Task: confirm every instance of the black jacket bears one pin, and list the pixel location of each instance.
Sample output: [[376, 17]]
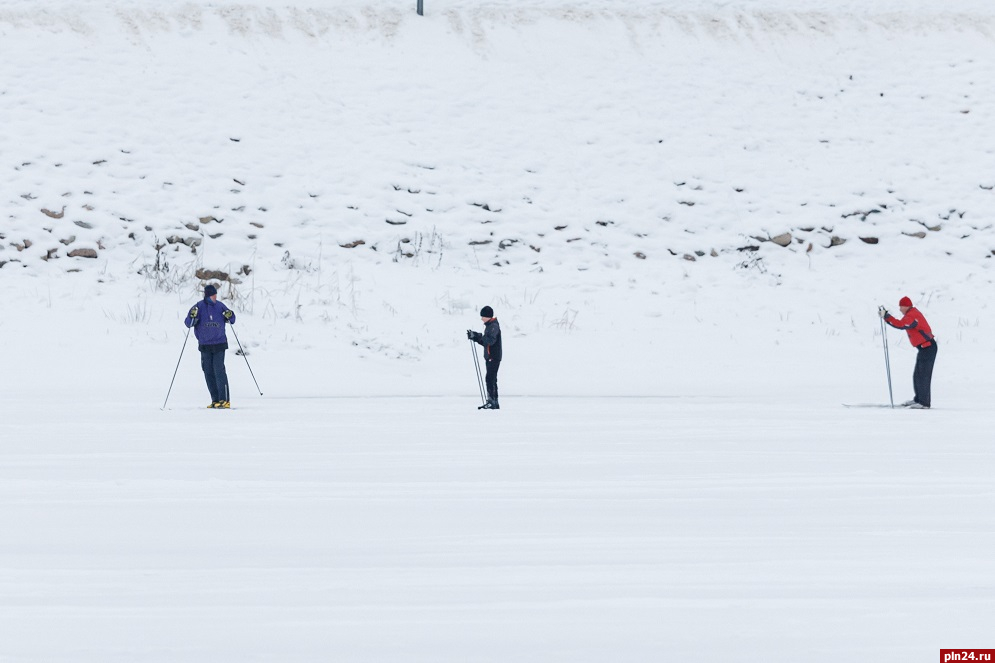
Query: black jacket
[[491, 340]]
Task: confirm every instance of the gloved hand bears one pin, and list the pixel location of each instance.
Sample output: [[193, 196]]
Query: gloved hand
[[193, 313], [469, 334], [882, 312], [227, 314]]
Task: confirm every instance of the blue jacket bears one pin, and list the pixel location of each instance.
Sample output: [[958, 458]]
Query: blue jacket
[[209, 326]]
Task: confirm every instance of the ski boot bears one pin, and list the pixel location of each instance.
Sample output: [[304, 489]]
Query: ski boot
[[491, 404]]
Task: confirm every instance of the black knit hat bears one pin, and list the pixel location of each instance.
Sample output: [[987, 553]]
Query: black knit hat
[[487, 312], [210, 290]]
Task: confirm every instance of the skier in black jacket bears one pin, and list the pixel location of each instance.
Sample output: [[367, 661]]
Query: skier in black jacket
[[491, 340]]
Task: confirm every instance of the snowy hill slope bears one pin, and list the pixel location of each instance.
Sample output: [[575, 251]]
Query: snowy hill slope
[[535, 137], [584, 166]]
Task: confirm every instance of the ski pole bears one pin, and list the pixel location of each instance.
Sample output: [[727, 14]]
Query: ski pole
[[887, 362], [246, 360], [185, 338], [480, 377]]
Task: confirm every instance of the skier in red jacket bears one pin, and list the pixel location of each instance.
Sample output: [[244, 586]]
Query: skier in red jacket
[[921, 336]]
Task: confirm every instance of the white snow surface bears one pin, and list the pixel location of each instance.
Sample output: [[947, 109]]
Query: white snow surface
[[672, 475]]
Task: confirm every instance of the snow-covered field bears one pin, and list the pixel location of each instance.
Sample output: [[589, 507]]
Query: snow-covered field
[[672, 474], [415, 529]]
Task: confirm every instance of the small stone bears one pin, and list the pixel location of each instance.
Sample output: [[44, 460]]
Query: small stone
[[83, 253], [869, 240], [211, 275], [784, 239], [640, 255], [352, 245]]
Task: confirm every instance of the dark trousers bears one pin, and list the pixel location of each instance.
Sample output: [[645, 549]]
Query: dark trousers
[[213, 362], [922, 376], [491, 379]]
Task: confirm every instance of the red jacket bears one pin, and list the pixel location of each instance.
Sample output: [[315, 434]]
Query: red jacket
[[915, 325]]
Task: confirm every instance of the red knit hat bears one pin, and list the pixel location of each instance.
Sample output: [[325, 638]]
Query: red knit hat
[[905, 301]]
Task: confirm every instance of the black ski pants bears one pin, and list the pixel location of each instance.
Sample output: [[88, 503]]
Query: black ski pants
[[212, 360], [922, 376], [491, 378]]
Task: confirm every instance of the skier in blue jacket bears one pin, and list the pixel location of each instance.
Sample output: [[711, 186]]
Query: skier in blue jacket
[[208, 318]]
